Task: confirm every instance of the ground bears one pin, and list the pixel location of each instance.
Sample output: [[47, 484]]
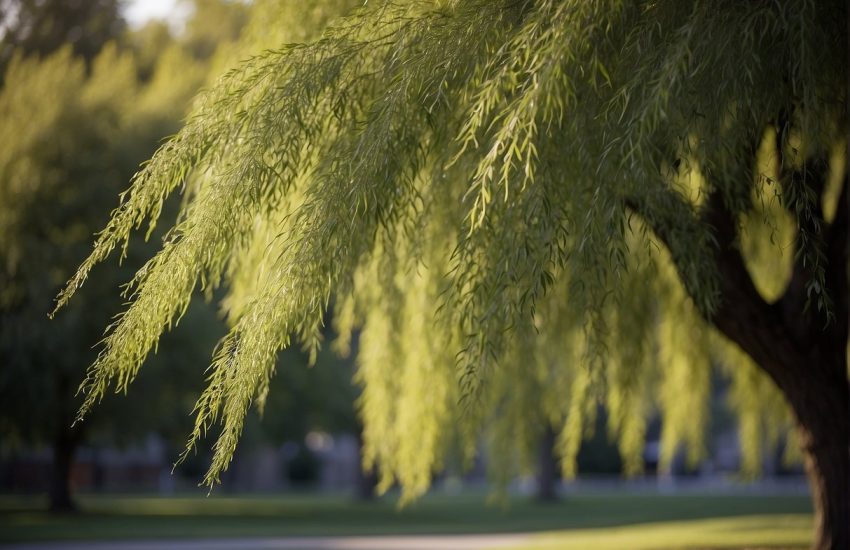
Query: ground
[[585, 521]]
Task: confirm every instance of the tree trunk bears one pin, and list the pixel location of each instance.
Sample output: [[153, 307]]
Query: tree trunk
[[366, 484], [816, 387], [804, 353], [64, 449], [806, 356], [821, 405], [547, 467], [367, 481], [828, 470]]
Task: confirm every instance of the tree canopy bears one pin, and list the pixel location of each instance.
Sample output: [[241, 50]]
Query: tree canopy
[[74, 130], [523, 206], [43, 26]]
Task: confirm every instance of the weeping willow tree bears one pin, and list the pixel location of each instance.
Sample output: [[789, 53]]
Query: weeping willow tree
[[526, 208]]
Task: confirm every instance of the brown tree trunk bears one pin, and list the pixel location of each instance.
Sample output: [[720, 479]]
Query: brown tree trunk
[[366, 484], [367, 481], [803, 352], [816, 387], [547, 467], [64, 449], [821, 405], [806, 356], [828, 470]]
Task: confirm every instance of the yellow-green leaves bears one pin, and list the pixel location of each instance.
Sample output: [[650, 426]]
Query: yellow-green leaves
[[465, 179]]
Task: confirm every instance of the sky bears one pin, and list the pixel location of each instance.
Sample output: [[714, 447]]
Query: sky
[[138, 12]]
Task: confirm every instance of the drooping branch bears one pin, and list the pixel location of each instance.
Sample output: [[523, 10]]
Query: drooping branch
[[814, 306], [805, 305], [838, 254], [742, 314], [738, 311]]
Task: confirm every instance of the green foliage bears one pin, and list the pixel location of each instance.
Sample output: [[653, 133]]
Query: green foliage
[[72, 133], [213, 23], [44, 26], [148, 43], [62, 134], [276, 22], [482, 188]]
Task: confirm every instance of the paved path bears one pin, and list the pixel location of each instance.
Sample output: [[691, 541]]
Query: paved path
[[407, 542]]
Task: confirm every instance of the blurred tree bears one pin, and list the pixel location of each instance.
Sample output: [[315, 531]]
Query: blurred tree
[[70, 137], [213, 23], [274, 23], [305, 399], [149, 43], [553, 203], [61, 135], [43, 26]]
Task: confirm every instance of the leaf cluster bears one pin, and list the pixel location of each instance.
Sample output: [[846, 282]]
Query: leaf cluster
[[483, 187]]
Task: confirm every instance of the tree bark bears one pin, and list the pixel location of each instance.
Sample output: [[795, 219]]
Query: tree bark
[[547, 467], [367, 481], [803, 352], [65, 446], [821, 404], [827, 462], [805, 355], [366, 484], [810, 368]]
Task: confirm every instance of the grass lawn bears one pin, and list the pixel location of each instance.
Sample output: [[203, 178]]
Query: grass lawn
[[765, 531], [587, 522]]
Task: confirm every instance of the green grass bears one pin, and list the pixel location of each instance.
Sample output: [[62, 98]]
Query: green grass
[[579, 521], [766, 531]]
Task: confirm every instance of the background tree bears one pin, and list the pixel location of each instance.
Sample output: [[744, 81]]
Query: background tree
[[478, 182], [71, 136], [56, 127], [43, 26], [213, 23], [149, 43], [303, 399]]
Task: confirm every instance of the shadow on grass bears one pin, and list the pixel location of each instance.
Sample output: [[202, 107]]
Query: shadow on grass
[[112, 517]]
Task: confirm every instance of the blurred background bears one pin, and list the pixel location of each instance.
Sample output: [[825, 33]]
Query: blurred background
[[88, 90]]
